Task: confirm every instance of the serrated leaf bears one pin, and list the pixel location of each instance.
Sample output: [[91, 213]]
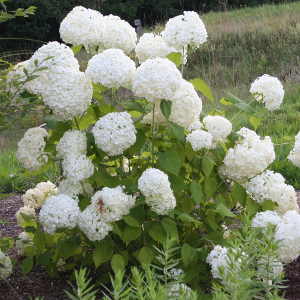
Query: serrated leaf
[[145, 256], [27, 265], [176, 58], [222, 210], [118, 263], [131, 221], [207, 165], [201, 86], [239, 194], [197, 192], [130, 234], [170, 161], [177, 131], [157, 233], [165, 107], [255, 122], [102, 253], [170, 227], [188, 254], [88, 119]]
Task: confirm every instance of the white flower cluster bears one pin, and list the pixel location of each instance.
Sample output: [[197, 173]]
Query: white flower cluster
[[91, 224], [114, 133], [219, 127], [24, 240], [250, 156], [288, 236], [184, 30], [82, 26], [200, 139], [265, 218], [217, 259], [72, 142], [25, 212], [31, 148], [5, 266], [272, 186], [152, 45], [70, 188], [34, 198], [112, 203], [155, 186], [112, 68], [268, 90], [59, 211], [294, 155], [156, 78]]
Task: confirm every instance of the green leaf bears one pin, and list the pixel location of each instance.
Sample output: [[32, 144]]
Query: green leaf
[[76, 49], [177, 131], [226, 101], [207, 165], [202, 87], [145, 256], [88, 119], [102, 253], [224, 211], [188, 254], [165, 107], [186, 218], [27, 265], [131, 221], [157, 233], [176, 58], [210, 186], [239, 194], [255, 122], [130, 234], [170, 227], [170, 161], [197, 192], [118, 263]]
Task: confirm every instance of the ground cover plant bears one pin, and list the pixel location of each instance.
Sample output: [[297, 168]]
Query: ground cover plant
[[135, 173]]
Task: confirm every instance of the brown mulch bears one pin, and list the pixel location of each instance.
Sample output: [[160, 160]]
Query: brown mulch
[[38, 283]]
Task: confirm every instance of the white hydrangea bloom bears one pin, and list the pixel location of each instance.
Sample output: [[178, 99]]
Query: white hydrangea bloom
[[118, 34], [91, 224], [68, 94], [268, 90], [5, 266], [24, 240], [250, 156], [263, 219], [219, 127], [155, 186], [114, 133], [35, 197], [77, 167], [72, 142], [294, 155], [112, 203], [184, 30], [288, 236], [31, 148], [26, 211], [59, 211], [200, 139], [112, 68], [83, 26], [272, 186], [157, 78], [218, 258], [70, 188], [152, 45]]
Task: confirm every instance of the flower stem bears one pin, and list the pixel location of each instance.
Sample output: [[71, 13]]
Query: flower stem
[[152, 134]]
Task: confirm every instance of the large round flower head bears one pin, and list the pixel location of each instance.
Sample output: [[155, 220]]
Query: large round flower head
[[82, 26], [265, 218], [219, 127], [268, 90], [77, 167], [5, 266], [24, 240], [35, 197], [151, 45], [250, 156], [68, 94], [288, 236], [114, 133], [59, 211], [112, 203], [91, 224], [294, 155], [72, 142], [23, 214], [272, 186], [155, 186], [31, 148], [157, 78], [112, 68], [184, 30], [218, 258], [118, 34], [70, 188], [200, 139]]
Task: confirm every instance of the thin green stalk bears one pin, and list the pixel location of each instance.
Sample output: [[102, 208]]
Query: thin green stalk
[[152, 135], [76, 123]]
